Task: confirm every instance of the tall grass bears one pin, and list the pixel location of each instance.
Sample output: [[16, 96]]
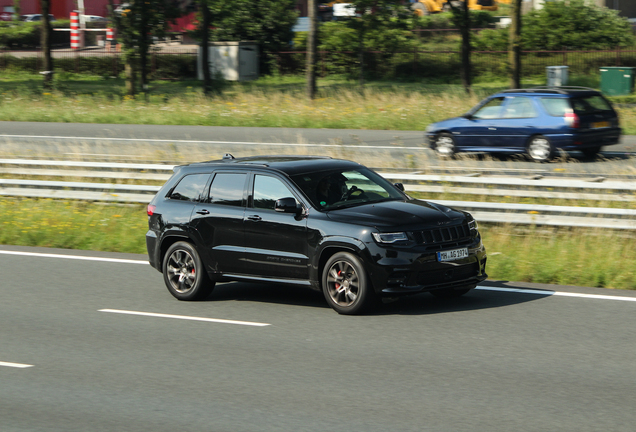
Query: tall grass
[[586, 257], [270, 102]]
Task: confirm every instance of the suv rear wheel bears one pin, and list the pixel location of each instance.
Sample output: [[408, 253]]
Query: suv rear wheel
[[184, 274], [345, 284]]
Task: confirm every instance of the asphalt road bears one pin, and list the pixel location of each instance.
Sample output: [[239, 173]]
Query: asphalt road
[[74, 358], [182, 144]]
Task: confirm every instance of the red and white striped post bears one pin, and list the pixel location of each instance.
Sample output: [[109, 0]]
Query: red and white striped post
[[75, 34], [110, 38]]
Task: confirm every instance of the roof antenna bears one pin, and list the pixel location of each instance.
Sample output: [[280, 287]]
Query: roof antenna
[[228, 156]]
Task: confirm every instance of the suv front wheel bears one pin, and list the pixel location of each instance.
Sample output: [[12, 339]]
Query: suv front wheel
[[346, 286], [184, 274], [540, 149]]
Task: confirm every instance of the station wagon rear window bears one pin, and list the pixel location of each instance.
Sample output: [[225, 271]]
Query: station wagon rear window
[[556, 106]]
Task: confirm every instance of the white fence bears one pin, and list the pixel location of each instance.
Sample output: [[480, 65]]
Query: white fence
[[538, 187]]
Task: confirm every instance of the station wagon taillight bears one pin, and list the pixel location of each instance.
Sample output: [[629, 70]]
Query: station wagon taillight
[[572, 120], [151, 209]]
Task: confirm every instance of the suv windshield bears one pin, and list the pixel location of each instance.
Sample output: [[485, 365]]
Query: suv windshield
[[329, 190]]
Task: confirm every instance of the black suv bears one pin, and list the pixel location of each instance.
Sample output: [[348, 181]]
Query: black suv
[[332, 225]]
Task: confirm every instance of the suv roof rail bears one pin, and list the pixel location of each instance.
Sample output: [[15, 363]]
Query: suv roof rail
[[549, 89]]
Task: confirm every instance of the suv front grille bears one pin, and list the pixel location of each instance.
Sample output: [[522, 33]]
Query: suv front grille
[[435, 236]]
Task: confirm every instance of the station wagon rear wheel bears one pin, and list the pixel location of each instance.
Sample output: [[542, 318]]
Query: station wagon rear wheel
[[184, 274], [345, 284], [445, 145], [540, 149]]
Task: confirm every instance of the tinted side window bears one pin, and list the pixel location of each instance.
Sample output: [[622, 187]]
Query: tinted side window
[[190, 187], [267, 190], [556, 106], [227, 189], [519, 107], [590, 104]]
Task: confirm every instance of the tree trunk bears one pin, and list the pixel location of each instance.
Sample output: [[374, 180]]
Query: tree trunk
[[311, 49], [205, 50], [466, 49], [45, 41], [461, 16], [129, 70], [514, 47], [361, 57]]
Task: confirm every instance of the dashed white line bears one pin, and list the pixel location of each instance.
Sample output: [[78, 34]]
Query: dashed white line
[[557, 293], [16, 365], [74, 257], [185, 317]]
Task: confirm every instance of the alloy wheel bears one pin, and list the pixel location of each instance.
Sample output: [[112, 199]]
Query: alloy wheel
[[343, 283], [181, 271]]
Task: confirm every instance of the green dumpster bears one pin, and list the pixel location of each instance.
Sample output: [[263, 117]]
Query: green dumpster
[[617, 81]]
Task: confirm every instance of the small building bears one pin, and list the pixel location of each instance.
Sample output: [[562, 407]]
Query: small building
[[234, 61]]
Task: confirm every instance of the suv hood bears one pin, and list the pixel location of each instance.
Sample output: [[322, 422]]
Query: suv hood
[[397, 214]]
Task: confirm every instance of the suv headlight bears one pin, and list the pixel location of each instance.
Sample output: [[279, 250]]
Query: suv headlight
[[390, 237], [473, 225]]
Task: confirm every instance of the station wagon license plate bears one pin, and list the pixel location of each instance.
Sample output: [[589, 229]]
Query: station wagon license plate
[[452, 255], [598, 125]]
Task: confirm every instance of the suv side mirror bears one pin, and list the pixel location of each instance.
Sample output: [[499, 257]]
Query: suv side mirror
[[287, 205], [400, 186]]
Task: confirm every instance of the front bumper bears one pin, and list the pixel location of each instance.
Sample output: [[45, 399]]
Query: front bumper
[[401, 272]]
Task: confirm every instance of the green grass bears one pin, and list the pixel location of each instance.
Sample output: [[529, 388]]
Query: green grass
[[267, 102], [585, 257]]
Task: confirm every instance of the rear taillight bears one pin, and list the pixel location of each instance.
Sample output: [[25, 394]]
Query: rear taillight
[[572, 120], [151, 209]]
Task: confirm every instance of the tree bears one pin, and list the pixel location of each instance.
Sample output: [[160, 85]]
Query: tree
[[46, 45], [17, 10], [205, 50], [514, 45], [461, 18], [137, 24], [311, 49], [267, 22], [374, 15]]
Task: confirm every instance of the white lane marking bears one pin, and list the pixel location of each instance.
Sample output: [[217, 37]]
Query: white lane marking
[[74, 257], [15, 365], [184, 317], [557, 293], [177, 141]]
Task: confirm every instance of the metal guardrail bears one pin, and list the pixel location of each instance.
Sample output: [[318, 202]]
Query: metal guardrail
[[483, 211]]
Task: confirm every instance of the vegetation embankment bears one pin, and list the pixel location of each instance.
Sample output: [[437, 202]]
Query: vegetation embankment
[[267, 102], [584, 257]]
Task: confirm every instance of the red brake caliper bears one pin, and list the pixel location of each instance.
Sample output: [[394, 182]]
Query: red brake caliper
[[337, 284]]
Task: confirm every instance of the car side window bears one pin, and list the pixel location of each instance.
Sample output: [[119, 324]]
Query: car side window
[[227, 189], [190, 187], [556, 107], [490, 110], [267, 190], [519, 107]]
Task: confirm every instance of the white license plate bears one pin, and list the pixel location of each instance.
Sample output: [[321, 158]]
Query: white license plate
[[452, 255]]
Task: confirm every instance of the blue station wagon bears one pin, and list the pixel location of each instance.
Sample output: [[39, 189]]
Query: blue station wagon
[[535, 121]]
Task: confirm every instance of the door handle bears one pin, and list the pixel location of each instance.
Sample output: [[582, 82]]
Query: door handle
[[492, 128], [203, 212], [254, 218]]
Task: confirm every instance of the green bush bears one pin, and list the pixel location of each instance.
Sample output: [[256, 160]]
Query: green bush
[[26, 35], [575, 25]]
